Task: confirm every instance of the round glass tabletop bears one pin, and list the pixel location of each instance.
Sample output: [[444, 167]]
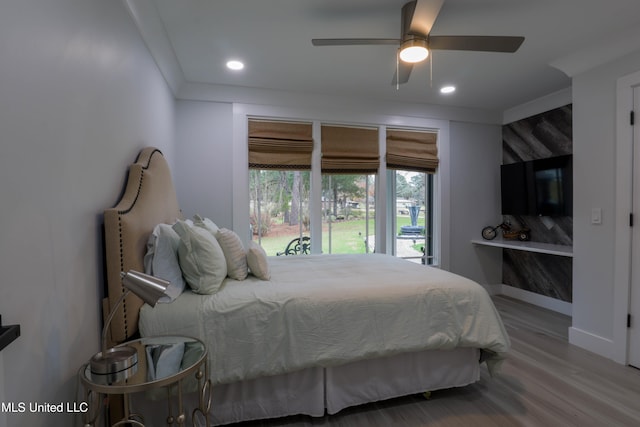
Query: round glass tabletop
[[161, 360]]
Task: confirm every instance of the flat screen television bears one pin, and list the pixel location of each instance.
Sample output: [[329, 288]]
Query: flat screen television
[[542, 187]]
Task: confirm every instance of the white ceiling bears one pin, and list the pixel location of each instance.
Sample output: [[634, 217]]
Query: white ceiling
[[273, 39]]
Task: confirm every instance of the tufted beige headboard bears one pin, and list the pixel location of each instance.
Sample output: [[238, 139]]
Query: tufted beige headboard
[[149, 199]]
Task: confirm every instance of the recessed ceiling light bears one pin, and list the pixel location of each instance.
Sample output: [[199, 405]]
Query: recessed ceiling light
[[235, 65], [447, 89]]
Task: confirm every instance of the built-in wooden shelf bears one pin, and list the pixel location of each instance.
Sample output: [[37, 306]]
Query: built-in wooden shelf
[[8, 334], [543, 248]]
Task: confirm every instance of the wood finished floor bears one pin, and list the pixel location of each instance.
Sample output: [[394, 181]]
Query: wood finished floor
[[544, 382]]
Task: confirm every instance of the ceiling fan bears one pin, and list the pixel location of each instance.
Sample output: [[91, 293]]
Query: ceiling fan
[[416, 41]]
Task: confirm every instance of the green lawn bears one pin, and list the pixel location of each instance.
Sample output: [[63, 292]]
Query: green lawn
[[347, 237]]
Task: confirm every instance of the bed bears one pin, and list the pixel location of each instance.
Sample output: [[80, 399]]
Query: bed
[[325, 332]]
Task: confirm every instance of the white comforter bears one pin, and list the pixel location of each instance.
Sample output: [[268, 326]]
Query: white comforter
[[324, 310]]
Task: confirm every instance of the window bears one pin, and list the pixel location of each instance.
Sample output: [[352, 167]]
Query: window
[[279, 207], [279, 182], [412, 157], [348, 213], [341, 209], [350, 160], [412, 216]]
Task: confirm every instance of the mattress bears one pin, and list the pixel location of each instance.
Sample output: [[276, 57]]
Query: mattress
[[328, 310]]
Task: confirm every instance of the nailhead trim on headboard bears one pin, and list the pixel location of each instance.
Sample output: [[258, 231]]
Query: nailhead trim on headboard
[[149, 198], [124, 212], [120, 213]]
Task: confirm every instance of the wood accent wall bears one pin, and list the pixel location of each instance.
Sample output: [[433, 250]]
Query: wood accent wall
[[544, 135]]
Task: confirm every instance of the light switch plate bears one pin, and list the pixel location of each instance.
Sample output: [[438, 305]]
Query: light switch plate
[[596, 216]]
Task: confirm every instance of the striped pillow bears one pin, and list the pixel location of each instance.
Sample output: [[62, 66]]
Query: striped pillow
[[234, 253]]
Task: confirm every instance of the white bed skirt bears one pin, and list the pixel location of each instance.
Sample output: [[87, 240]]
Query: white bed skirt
[[316, 391]]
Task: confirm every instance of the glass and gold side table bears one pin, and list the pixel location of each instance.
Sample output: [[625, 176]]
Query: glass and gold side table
[[172, 362]]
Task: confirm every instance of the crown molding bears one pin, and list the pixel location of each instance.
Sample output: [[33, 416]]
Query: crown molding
[[600, 52], [154, 34]]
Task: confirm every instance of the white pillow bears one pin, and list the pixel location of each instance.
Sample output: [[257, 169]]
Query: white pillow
[[201, 259], [161, 260], [257, 261], [205, 223], [234, 253]]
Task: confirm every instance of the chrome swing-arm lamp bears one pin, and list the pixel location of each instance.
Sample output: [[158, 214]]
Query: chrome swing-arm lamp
[[116, 359]]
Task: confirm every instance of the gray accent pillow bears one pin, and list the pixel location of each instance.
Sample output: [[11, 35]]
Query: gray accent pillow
[[161, 260]]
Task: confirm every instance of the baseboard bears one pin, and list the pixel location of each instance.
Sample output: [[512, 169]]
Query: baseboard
[[583, 339], [493, 289], [593, 343], [537, 299]]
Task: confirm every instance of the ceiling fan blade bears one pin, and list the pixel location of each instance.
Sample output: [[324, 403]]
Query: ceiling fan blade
[[348, 42], [424, 15], [402, 73], [476, 43]]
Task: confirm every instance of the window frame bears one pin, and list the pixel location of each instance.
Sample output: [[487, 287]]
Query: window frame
[[348, 116]]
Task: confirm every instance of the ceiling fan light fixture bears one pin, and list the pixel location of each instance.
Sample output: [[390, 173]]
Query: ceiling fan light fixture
[[414, 50]]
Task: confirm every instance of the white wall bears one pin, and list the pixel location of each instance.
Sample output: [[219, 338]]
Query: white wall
[[79, 96], [594, 127], [204, 170], [469, 172], [476, 155]]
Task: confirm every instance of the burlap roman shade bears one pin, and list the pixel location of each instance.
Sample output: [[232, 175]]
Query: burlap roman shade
[[280, 145], [349, 150], [412, 150]]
